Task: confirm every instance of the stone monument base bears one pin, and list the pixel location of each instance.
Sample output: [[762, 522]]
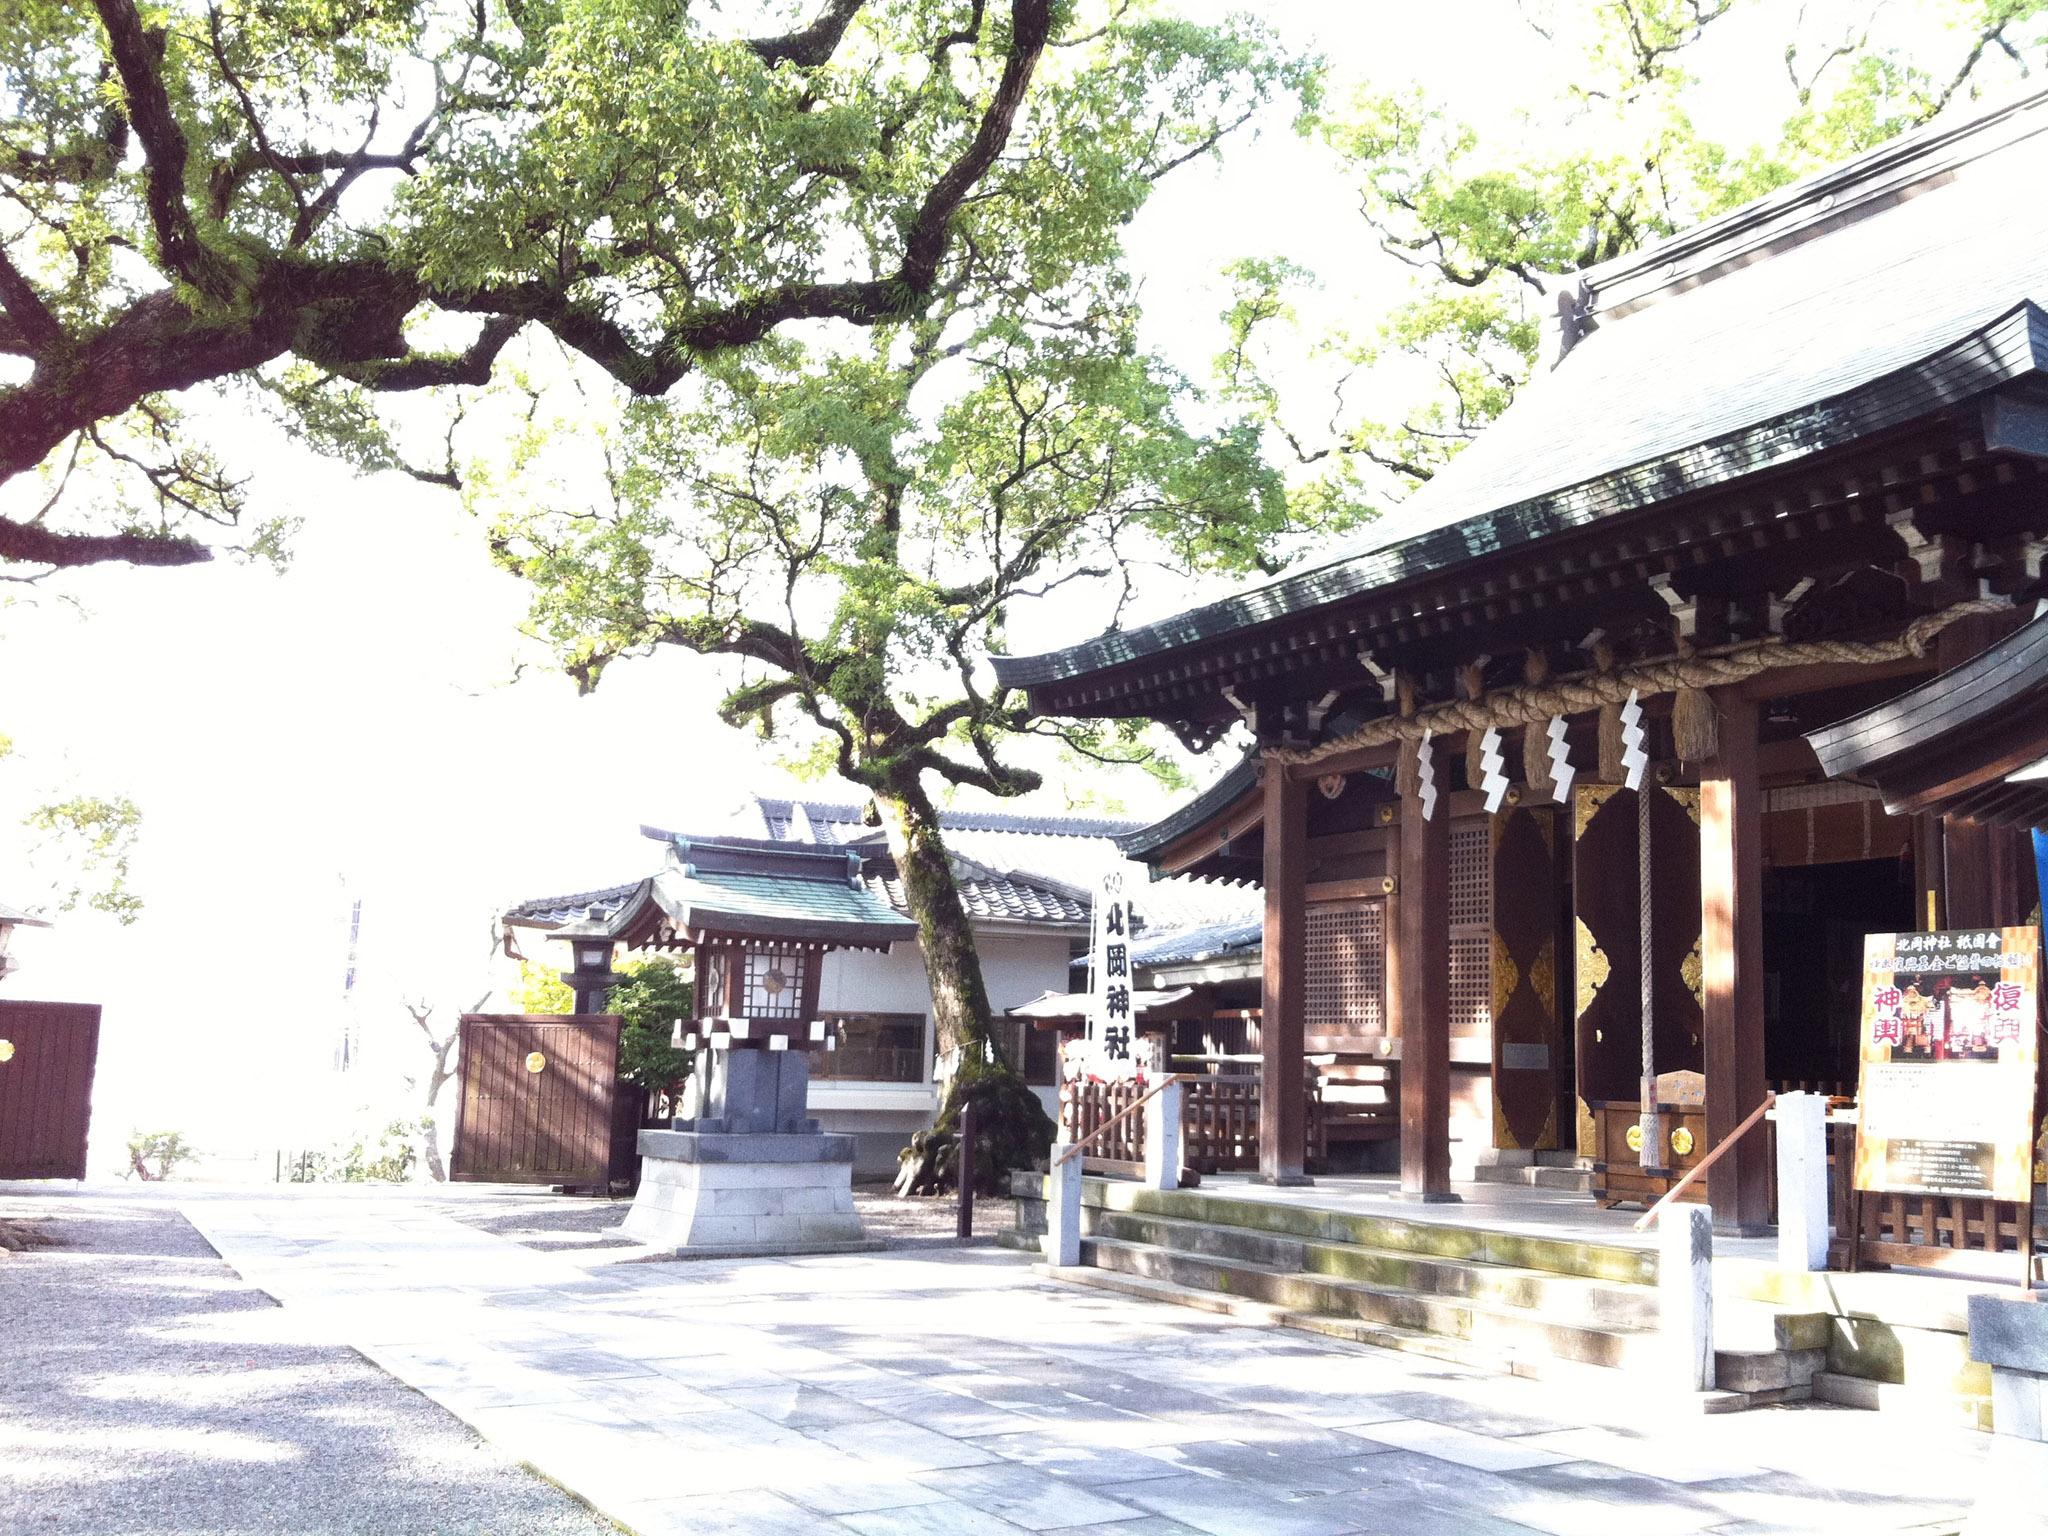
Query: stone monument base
[[747, 1193]]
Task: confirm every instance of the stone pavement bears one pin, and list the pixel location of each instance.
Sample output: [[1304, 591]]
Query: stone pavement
[[146, 1391], [955, 1393]]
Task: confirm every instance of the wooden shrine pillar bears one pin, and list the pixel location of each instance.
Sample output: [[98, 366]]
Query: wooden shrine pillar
[[1732, 967], [1283, 1109], [1423, 939]]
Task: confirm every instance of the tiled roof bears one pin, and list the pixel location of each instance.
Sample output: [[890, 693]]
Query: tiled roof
[[1906, 310], [1225, 792], [1011, 868], [1211, 941], [1016, 866], [553, 911], [715, 899], [837, 822]]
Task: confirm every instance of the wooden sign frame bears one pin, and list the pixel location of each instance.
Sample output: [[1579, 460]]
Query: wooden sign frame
[[1942, 1229]]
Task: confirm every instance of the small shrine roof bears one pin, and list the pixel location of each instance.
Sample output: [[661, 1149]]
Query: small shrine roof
[[1969, 742], [1235, 784]]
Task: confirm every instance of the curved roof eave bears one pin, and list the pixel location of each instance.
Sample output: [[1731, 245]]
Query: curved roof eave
[[2010, 346]]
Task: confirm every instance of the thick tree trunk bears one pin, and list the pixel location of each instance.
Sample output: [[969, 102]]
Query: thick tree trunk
[[1012, 1127]]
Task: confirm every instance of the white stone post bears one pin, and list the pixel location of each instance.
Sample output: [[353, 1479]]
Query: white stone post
[[1162, 1137], [1063, 1210], [1685, 1285], [1802, 1181]]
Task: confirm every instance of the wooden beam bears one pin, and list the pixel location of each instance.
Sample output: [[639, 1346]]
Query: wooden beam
[[1356, 760], [1283, 1123], [1732, 965], [1783, 682], [1424, 968]]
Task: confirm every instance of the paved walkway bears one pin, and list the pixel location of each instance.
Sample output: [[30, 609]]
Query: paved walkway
[[145, 1390], [956, 1394]]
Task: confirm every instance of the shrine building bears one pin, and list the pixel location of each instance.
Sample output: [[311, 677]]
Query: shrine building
[[1774, 471]]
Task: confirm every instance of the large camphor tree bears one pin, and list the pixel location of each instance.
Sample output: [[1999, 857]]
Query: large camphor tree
[[341, 198], [853, 524]]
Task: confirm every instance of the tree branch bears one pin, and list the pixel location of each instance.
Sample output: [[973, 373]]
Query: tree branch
[[137, 52], [37, 328], [814, 45], [32, 544]]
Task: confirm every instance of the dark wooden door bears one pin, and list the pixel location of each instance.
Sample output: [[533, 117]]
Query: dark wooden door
[[516, 1125], [1607, 962], [46, 1087], [1532, 968]]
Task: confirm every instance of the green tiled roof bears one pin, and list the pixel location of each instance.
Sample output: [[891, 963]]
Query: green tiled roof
[[778, 904]]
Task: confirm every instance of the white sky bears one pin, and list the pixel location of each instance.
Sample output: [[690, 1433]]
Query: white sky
[[353, 725]]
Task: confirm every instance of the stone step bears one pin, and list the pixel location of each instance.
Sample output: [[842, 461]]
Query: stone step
[[1768, 1371], [1246, 1309], [1497, 1329], [1581, 1257], [1535, 1176], [1602, 1382], [1972, 1411], [1566, 1298]]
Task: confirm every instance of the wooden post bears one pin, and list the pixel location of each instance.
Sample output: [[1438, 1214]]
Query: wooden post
[[1282, 1119], [1424, 945], [1732, 964]]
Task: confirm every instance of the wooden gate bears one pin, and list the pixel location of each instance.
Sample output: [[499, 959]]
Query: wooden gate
[[50, 1050], [540, 1094]]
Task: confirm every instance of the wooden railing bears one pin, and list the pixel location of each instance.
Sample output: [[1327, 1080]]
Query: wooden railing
[[1219, 1121], [1698, 1170], [1113, 1132]]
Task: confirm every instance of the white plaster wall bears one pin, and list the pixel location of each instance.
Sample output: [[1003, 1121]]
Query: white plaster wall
[[1014, 967]]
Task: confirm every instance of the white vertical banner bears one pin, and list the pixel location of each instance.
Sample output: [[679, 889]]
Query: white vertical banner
[[1112, 1023]]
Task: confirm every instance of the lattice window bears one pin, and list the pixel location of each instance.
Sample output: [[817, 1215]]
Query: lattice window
[[774, 986], [1471, 903], [1347, 971], [1472, 874]]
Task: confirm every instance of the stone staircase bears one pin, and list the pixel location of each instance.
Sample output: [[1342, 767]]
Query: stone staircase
[[1538, 1170], [1536, 1306]]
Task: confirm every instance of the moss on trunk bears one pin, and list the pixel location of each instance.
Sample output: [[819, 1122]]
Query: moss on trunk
[[1012, 1129]]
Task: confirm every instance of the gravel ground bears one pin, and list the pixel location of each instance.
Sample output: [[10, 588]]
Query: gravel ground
[[145, 1390], [580, 1225]]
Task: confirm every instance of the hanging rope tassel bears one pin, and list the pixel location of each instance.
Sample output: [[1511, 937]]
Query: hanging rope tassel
[[1695, 725], [1536, 763], [1535, 738], [1611, 771]]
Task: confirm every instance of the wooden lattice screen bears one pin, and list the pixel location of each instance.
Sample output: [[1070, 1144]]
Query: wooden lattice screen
[[1345, 944], [1471, 901]]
